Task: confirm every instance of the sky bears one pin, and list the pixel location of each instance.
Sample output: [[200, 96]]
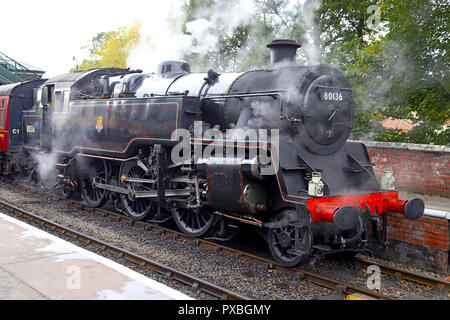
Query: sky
[[47, 34]]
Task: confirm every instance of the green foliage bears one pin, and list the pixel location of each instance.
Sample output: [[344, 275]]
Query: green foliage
[[401, 72], [110, 49], [343, 21], [245, 48], [398, 70]]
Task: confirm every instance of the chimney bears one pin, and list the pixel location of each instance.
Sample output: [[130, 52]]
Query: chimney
[[283, 50]]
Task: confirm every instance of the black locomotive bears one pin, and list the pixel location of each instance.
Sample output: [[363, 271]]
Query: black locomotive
[[210, 151]]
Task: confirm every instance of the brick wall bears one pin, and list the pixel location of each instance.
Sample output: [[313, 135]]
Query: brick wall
[[424, 242], [423, 169], [429, 239], [426, 231], [417, 167]]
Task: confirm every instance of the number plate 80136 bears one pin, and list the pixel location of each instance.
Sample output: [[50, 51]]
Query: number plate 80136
[[333, 95]]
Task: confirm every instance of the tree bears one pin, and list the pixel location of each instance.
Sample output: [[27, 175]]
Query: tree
[[400, 71], [419, 36], [111, 49], [240, 37]]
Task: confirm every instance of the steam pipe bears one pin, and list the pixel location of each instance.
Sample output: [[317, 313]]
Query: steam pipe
[[376, 227], [356, 237], [437, 214], [94, 156]]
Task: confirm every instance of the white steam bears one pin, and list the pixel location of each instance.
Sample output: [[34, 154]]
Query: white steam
[[219, 20], [162, 37], [312, 43], [264, 115], [46, 167]]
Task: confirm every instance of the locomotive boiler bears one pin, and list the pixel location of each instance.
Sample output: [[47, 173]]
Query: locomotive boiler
[[214, 150]]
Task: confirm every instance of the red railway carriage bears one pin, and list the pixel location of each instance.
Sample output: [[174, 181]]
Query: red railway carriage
[[4, 123], [14, 98]]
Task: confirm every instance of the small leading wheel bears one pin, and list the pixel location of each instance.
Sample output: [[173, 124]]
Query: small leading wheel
[[138, 209], [94, 197], [281, 242], [193, 222]]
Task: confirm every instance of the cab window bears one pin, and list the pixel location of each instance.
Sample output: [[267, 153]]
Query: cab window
[[58, 101], [61, 101], [66, 99]]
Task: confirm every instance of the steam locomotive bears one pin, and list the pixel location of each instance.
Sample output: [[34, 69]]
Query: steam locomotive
[[211, 151]]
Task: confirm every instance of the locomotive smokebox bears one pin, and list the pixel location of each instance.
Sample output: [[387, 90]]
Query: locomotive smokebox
[[283, 51]]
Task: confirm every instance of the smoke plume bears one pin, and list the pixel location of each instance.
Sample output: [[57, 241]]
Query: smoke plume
[[162, 36], [312, 43]]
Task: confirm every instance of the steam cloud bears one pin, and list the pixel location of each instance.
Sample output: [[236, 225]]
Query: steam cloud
[[162, 37], [312, 43], [46, 167]]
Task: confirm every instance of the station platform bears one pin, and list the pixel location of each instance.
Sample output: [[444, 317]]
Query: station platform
[[35, 265], [435, 206], [431, 201]]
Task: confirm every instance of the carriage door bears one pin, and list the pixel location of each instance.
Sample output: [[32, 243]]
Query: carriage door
[[47, 99], [4, 123]]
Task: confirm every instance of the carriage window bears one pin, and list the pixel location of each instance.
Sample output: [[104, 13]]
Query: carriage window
[[2, 113]]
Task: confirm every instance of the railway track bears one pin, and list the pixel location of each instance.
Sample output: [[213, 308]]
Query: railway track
[[339, 287], [405, 274], [169, 272]]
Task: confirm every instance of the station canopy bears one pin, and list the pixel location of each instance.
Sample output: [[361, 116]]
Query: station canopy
[[12, 71]]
